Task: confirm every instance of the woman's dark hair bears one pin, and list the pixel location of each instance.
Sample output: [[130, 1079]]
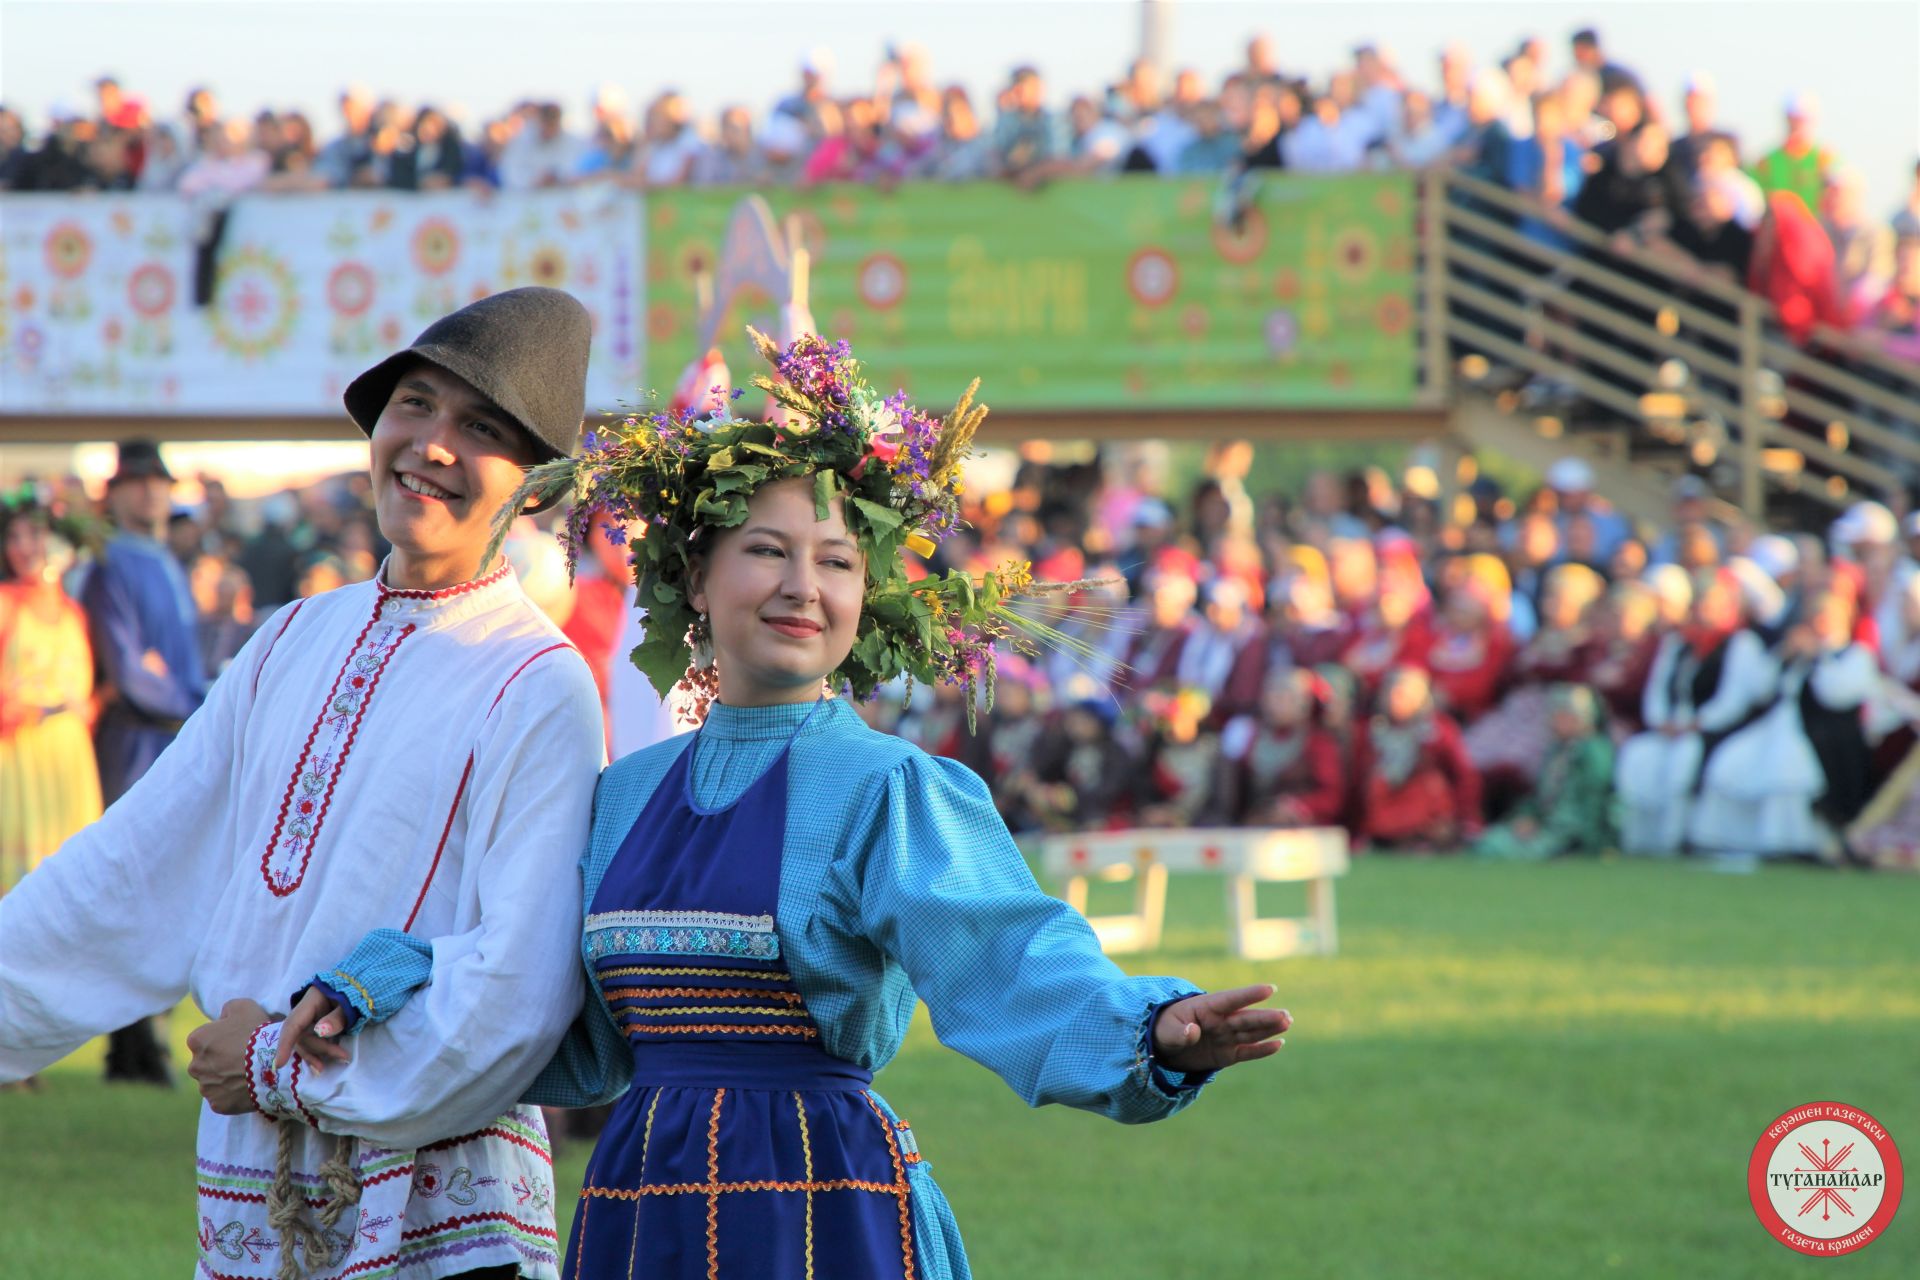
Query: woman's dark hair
[[11, 513]]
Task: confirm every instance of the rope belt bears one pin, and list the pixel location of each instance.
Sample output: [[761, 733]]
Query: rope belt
[[286, 1208]]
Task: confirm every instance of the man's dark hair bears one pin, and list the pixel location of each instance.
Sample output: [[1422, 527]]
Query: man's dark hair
[[1587, 36]]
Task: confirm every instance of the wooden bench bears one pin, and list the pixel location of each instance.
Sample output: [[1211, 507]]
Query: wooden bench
[[1244, 855]]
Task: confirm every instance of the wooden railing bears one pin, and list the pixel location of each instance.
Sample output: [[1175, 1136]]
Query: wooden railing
[[1694, 362]]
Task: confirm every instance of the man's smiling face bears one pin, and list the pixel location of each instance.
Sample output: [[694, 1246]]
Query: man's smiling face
[[444, 459]]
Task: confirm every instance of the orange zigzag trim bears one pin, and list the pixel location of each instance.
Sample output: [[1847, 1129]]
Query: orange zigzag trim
[[713, 1198], [710, 1027], [900, 1188], [731, 1188], [708, 993]]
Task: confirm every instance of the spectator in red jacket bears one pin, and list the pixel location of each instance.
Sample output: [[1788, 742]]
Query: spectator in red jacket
[[1393, 634], [1416, 787], [1793, 267], [1282, 766], [1470, 651]]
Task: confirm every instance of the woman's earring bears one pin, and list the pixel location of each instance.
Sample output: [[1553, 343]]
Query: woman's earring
[[701, 684], [702, 637]]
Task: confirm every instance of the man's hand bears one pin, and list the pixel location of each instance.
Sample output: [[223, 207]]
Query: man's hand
[[1216, 1030], [310, 1030], [219, 1063]]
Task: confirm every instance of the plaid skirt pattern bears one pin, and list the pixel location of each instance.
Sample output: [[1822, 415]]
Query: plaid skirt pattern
[[730, 1183]]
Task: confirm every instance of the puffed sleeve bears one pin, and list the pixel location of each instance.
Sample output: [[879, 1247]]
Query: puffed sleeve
[[1845, 679], [1013, 977], [1656, 702], [1749, 679], [89, 940]]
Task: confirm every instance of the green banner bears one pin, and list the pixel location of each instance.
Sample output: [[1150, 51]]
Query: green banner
[[1133, 293]]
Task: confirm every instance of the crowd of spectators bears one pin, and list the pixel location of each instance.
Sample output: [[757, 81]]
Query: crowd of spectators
[[1525, 675], [1424, 658], [1588, 139]]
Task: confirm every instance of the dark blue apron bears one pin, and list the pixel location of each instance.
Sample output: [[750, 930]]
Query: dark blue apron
[[744, 1150]]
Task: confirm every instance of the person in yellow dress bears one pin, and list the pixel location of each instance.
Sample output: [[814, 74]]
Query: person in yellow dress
[[49, 783]]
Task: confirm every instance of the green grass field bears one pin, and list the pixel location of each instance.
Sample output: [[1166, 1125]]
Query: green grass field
[[1525, 1071]]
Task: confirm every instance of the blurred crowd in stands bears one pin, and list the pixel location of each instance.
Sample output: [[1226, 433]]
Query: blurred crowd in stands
[[1586, 137], [1427, 658]]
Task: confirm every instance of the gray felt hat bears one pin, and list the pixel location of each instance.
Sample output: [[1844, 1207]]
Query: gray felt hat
[[526, 350]]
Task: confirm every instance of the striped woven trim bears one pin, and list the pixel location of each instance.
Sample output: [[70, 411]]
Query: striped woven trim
[[679, 920], [682, 940], [683, 971]]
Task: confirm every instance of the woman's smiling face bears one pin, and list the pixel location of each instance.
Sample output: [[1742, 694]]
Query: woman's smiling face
[[782, 592]]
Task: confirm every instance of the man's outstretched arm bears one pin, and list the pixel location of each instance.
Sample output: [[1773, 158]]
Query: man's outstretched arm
[[92, 939]]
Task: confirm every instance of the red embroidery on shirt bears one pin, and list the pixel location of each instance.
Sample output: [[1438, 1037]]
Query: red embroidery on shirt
[[291, 615], [461, 790], [441, 848], [303, 809], [470, 1219], [492, 1131], [293, 1087], [252, 1045]]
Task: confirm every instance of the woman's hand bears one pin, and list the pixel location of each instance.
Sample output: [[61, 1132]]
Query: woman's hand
[[1218, 1029], [309, 1030]]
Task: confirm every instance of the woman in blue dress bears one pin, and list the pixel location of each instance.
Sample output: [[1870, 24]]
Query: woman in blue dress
[[767, 897]]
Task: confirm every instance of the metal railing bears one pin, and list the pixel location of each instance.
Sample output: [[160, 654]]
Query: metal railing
[[1694, 363]]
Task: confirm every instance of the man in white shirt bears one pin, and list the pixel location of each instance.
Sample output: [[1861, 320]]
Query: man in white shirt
[[402, 764]]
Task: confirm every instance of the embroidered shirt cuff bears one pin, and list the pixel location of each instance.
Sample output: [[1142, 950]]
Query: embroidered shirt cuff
[[253, 1061], [1172, 1084], [271, 1088]]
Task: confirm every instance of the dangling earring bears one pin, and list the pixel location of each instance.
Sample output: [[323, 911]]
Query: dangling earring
[[701, 684]]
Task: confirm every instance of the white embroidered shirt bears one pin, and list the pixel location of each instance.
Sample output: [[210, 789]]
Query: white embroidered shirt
[[372, 759]]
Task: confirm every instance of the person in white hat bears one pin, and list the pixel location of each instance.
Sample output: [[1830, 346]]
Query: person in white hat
[[1690, 504], [1799, 164], [1779, 557], [1709, 675], [1572, 481], [1699, 103], [1862, 242], [1790, 780], [1766, 603]]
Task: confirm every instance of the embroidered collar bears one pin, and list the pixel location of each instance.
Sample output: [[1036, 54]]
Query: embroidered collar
[[445, 593], [750, 724], [449, 603]]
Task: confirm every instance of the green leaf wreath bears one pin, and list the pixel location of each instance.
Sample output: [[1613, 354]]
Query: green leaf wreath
[[899, 470]]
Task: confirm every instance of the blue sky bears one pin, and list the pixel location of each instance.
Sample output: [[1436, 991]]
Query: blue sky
[[1860, 56]]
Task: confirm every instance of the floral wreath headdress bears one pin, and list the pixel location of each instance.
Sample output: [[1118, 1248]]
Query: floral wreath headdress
[[683, 476]]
